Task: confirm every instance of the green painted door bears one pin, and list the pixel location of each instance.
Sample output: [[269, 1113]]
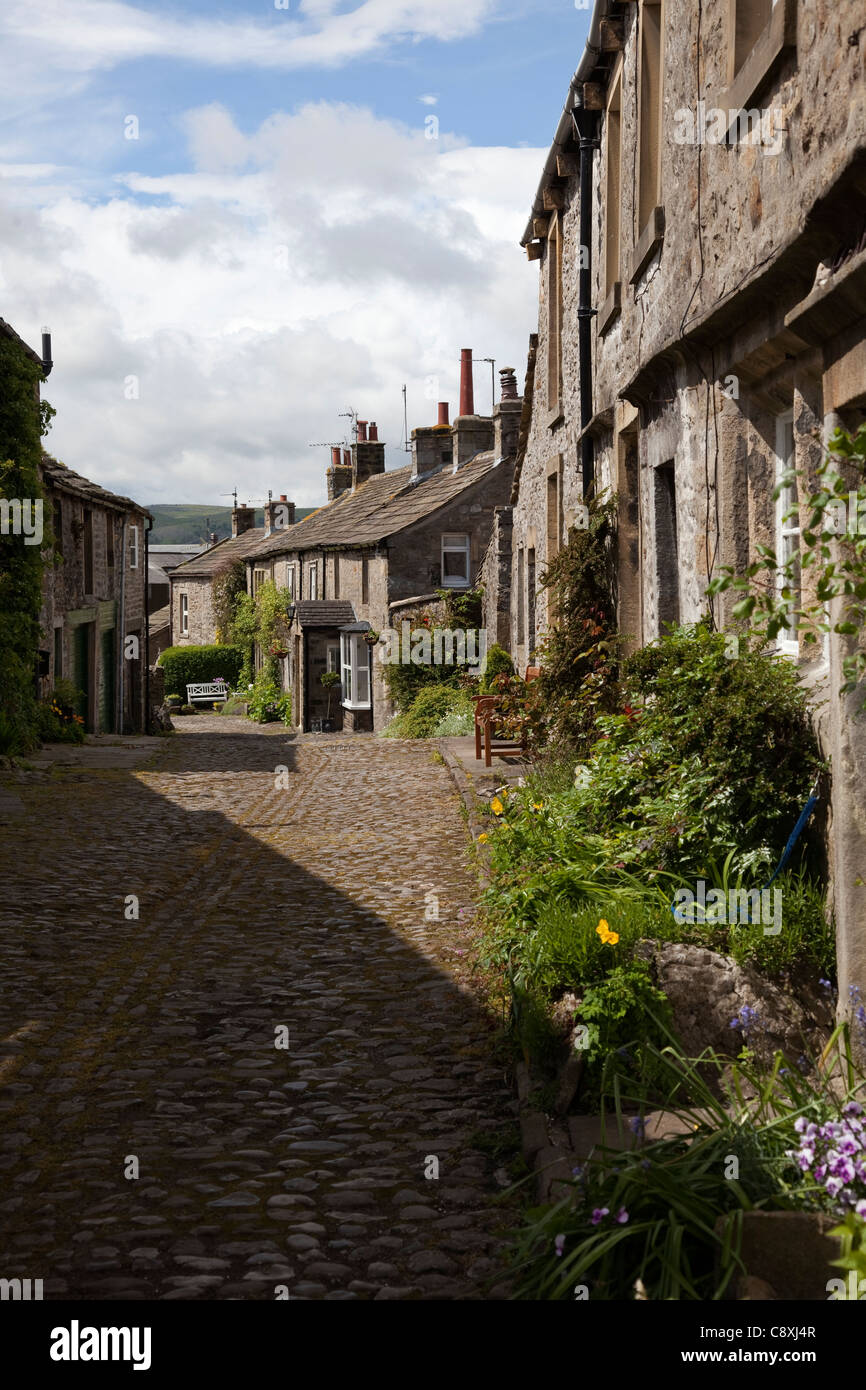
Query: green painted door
[[81, 668], [106, 689]]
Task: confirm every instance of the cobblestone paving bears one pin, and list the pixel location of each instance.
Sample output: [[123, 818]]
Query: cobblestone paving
[[261, 908]]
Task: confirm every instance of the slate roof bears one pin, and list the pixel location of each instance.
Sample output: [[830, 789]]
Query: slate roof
[[233, 548], [380, 507], [57, 475], [324, 612], [161, 618]]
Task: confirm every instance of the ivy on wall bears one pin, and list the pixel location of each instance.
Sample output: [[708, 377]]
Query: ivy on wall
[[23, 422]]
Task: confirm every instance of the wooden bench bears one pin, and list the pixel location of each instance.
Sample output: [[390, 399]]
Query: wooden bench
[[486, 708], [207, 691]]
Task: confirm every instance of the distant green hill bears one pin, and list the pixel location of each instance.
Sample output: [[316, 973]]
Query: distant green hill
[[187, 525]]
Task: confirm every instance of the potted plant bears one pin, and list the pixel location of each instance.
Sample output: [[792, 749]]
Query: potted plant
[[371, 637], [329, 679]]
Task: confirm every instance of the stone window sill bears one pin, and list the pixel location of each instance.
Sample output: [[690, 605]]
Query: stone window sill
[[554, 416], [651, 238], [611, 308], [780, 33]]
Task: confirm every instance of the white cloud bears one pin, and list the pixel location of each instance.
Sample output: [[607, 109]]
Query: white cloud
[[88, 35], [428, 99], [316, 264]]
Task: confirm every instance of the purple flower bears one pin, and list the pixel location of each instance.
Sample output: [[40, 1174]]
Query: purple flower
[[558, 1244], [598, 1215], [622, 1216], [825, 984], [860, 1208], [637, 1126]]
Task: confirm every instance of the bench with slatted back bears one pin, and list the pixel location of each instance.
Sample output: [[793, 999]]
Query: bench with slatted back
[[486, 708], [206, 690]]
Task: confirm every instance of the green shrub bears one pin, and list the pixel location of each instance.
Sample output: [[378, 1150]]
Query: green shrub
[[459, 721], [185, 666], [268, 701], [622, 1013], [187, 709], [429, 708], [498, 663]]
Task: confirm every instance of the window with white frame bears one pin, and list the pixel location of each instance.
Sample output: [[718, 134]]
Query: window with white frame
[[787, 530], [184, 615], [313, 573], [355, 670], [332, 662], [133, 547], [455, 561], [290, 581], [259, 577]]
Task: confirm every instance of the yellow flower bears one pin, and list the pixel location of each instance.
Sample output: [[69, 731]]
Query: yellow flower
[[483, 838], [602, 929], [612, 938], [538, 805], [496, 806]]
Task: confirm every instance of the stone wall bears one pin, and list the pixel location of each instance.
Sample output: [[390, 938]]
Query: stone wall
[[84, 626], [201, 620], [743, 298]]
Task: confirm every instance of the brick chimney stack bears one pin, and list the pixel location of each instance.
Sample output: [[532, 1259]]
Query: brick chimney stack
[[467, 397], [279, 514], [506, 416], [339, 475], [368, 454], [473, 434], [432, 445], [243, 519]]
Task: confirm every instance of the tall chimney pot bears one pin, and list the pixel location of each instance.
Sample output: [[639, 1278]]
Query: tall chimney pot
[[508, 381], [373, 435], [347, 458], [335, 457], [362, 431], [443, 413], [467, 398]]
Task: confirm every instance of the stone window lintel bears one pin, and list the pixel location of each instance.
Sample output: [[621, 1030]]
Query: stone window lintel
[[611, 308], [649, 242], [780, 33]]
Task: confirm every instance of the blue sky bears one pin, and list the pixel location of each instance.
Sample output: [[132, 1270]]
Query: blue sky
[[280, 241]]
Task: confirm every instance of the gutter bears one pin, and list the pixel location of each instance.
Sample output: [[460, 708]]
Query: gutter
[[591, 55], [119, 658], [146, 626]]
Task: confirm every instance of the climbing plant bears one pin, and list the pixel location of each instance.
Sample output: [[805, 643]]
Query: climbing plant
[[832, 552], [229, 582], [261, 622], [23, 421]]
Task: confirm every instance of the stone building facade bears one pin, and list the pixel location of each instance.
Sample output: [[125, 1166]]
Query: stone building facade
[[702, 324], [382, 546], [94, 608]]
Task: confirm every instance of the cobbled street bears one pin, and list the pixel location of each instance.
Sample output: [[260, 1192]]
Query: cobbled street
[[152, 1043]]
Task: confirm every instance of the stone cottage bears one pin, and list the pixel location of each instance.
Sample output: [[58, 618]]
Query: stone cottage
[[191, 603], [94, 609], [700, 234], [382, 546]]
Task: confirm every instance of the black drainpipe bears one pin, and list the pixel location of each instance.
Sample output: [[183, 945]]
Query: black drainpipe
[[146, 633], [585, 126]]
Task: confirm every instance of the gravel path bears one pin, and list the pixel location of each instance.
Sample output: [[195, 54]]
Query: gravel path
[[292, 908]]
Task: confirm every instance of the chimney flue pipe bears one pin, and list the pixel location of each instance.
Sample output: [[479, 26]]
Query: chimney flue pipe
[[467, 399], [443, 413]]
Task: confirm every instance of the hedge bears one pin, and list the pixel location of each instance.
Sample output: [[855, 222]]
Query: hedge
[[185, 666]]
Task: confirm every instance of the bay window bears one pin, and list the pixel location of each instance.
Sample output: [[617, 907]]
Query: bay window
[[355, 670]]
